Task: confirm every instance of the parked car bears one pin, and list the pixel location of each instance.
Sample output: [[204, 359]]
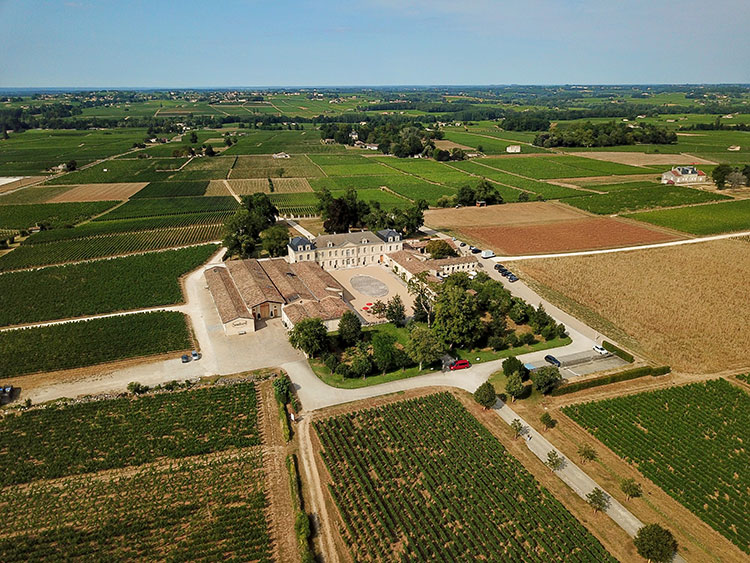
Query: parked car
[[487, 254], [195, 355], [512, 278], [475, 251], [460, 364], [550, 359], [600, 350], [462, 244], [506, 273], [185, 359]]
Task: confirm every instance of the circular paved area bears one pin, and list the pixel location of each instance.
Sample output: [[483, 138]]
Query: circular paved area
[[369, 286]]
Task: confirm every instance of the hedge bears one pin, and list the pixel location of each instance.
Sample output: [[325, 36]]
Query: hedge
[[612, 378], [619, 352]]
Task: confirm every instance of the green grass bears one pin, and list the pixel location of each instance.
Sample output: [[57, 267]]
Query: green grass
[[429, 170], [702, 219], [135, 170], [622, 186], [689, 440], [656, 195], [33, 194], [339, 165], [107, 286], [422, 480], [407, 186], [172, 189], [157, 207], [87, 343], [297, 166], [489, 145], [53, 214], [548, 167]]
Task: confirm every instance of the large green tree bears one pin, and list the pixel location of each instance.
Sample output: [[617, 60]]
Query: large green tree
[[310, 336], [350, 328], [545, 379], [438, 248], [384, 351], [720, 173], [242, 230], [655, 543], [598, 500], [514, 386], [485, 395], [456, 317], [275, 240], [395, 311], [423, 346]]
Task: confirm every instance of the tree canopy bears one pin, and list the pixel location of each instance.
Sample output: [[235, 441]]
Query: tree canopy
[[655, 543], [485, 395], [310, 336]]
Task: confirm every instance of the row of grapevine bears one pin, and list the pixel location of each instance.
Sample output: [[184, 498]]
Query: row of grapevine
[[690, 440], [423, 480], [78, 250], [158, 207], [86, 343], [90, 288], [96, 228], [52, 214]]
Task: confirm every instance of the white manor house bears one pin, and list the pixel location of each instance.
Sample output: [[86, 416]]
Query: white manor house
[[345, 250]]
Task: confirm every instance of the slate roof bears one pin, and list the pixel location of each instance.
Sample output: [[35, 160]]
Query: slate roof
[[298, 242]]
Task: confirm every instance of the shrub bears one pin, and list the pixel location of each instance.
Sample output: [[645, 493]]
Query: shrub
[[497, 343], [343, 370], [612, 378], [619, 352], [527, 338]]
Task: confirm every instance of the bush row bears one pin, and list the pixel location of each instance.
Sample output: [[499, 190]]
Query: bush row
[[612, 378], [619, 352]]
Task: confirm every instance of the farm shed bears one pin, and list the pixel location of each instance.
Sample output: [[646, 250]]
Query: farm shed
[[683, 175]]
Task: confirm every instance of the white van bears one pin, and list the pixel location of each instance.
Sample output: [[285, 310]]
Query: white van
[[487, 254]]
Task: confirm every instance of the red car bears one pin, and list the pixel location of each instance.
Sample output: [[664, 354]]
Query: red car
[[460, 364]]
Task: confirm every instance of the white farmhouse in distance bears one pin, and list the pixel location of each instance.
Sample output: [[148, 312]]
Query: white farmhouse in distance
[[683, 175], [513, 148]]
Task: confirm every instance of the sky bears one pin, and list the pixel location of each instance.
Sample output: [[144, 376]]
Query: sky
[[185, 43]]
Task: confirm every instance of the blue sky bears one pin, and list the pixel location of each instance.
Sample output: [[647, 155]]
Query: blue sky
[[379, 42]]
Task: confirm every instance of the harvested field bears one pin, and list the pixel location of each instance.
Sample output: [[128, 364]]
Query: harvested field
[[535, 212], [255, 185], [448, 145], [654, 297], [565, 236], [15, 183], [99, 192], [644, 159]]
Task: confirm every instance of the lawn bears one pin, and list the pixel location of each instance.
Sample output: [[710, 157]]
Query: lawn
[[703, 219]]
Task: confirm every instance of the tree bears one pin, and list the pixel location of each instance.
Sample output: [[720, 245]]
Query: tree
[[736, 179], [282, 389], [598, 500], [280, 172], [512, 365], [350, 328], [514, 386], [209, 150], [395, 311], [71, 165], [456, 317], [137, 389], [310, 336], [655, 543], [485, 395], [545, 379], [466, 196], [517, 426], [547, 420], [586, 452], [275, 240], [423, 346], [631, 488], [193, 137], [554, 460], [383, 350], [242, 230], [719, 175], [523, 196], [378, 309], [438, 248], [424, 297]]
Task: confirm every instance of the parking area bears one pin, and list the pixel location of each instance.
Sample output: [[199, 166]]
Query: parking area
[[364, 286], [582, 363]]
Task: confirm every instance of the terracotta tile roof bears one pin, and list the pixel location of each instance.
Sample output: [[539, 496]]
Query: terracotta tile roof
[[319, 283], [253, 283], [287, 282], [327, 309], [228, 301]]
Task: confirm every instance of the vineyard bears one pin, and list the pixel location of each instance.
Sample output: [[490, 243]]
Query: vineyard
[[87, 343], [29, 256], [53, 214], [689, 440], [106, 286], [182, 479], [295, 204], [399, 473], [172, 189], [157, 207]]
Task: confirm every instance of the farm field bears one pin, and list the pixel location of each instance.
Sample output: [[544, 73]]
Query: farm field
[[700, 220], [203, 168], [529, 213], [291, 142], [649, 300], [654, 196], [581, 234], [396, 475], [296, 166], [77, 250], [132, 170], [53, 214], [408, 186], [429, 170], [107, 286], [548, 167], [158, 207], [633, 158], [87, 343], [170, 459], [185, 188], [34, 194], [98, 192], [600, 187], [339, 165], [257, 185], [490, 144], [691, 441]]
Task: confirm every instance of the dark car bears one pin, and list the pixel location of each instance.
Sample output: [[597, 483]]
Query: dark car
[[512, 278], [500, 267], [462, 244], [506, 273], [460, 364], [475, 250], [185, 359], [550, 359]]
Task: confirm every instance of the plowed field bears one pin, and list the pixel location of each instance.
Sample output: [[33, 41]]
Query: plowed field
[[99, 192]]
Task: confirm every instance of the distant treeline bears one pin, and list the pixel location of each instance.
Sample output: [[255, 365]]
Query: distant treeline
[[610, 134]]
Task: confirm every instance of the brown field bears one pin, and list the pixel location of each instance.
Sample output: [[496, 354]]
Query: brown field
[[255, 185], [448, 145], [99, 192], [644, 159], [660, 302], [531, 213], [21, 182], [590, 233]]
